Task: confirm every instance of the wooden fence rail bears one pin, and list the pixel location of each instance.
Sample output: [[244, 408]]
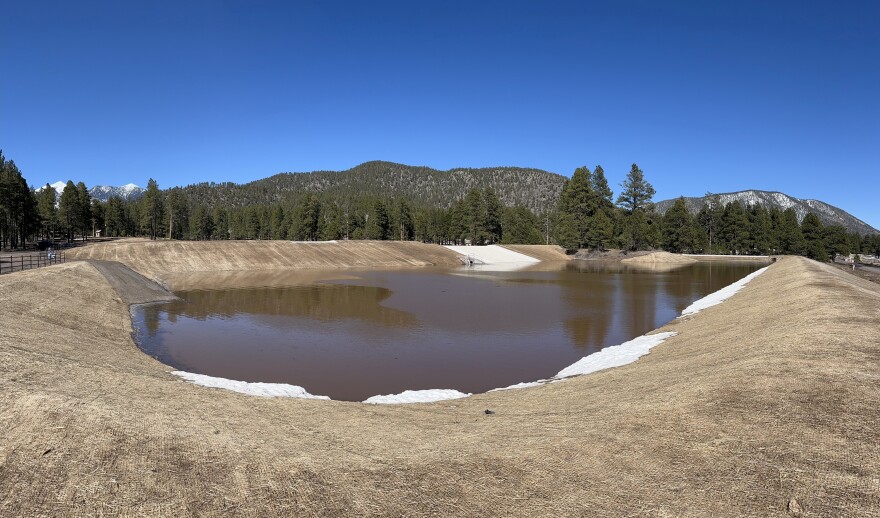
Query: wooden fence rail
[[21, 262]]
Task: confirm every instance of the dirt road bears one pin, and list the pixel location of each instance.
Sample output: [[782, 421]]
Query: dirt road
[[767, 397]]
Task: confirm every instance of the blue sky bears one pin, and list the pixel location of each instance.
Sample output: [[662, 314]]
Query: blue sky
[[704, 96]]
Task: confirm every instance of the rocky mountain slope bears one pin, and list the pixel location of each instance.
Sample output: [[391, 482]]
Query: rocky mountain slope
[[105, 192], [828, 214], [102, 192]]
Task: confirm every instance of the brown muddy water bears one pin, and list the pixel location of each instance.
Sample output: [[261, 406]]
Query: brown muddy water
[[386, 331]]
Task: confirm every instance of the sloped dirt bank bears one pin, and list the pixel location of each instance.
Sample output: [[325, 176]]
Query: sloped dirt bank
[[156, 258]]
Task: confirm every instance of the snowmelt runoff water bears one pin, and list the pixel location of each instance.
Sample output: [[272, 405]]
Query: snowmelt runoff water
[[406, 336]]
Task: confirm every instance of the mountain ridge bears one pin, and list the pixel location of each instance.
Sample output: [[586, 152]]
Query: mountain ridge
[[536, 189], [102, 193], [828, 214]]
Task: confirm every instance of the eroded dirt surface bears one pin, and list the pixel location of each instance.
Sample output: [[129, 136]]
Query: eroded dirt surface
[[132, 287]]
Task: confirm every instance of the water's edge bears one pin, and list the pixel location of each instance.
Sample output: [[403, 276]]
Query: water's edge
[[606, 358]]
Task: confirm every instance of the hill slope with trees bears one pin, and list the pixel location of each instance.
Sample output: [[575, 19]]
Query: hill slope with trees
[[534, 189], [387, 201], [827, 214]]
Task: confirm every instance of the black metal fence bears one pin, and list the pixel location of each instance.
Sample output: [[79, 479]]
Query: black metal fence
[[20, 262]]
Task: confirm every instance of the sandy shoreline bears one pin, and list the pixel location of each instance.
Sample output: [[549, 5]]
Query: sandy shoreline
[[768, 397]]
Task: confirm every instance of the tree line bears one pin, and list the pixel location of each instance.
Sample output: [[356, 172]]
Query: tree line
[[479, 218], [585, 215], [587, 218]]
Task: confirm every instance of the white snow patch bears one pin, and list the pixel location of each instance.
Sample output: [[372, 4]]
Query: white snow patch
[[615, 355], [330, 242], [493, 254], [417, 396], [522, 385], [721, 295], [58, 186], [254, 389]]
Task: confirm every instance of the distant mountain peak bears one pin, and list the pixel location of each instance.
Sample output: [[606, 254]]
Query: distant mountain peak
[[828, 214], [105, 192]]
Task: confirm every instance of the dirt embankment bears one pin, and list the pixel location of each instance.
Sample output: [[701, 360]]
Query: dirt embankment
[[155, 258], [541, 252], [767, 397], [130, 286], [659, 258]]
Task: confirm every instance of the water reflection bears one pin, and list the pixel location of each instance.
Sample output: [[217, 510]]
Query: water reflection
[[325, 302], [388, 331]]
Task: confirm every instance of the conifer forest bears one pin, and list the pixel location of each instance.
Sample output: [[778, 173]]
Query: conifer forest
[[384, 201]]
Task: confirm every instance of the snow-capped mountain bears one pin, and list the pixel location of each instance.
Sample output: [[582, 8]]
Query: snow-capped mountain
[[126, 192], [828, 214], [102, 192], [58, 186]]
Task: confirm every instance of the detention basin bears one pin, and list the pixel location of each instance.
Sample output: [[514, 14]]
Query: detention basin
[[350, 334]]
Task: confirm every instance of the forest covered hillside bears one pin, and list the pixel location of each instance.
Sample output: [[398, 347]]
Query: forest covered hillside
[[532, 188], [828, 214]]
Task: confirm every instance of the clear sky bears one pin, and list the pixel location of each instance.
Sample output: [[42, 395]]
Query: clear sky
[[704, 96]]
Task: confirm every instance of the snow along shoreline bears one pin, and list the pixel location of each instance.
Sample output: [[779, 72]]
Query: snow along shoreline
[[607, 358]]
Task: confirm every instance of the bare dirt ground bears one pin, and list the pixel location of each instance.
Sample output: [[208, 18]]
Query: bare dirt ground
[[132, 287], [769, 397], [156, 258], [659, 258], [613, 254]]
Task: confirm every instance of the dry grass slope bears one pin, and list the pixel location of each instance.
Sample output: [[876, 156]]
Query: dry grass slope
[[770, 396]]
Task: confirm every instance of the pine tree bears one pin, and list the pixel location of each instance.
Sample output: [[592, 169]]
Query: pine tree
[[791, 240], [114, 217], [405, 223], [709, 218], [600, 186], [678, 228], [602, 232], [812, 231], [635, 199], [278, 223], [578, 204], [84, 221], [735, 228], [331, 222], [69, 210], [153, 210], [761, 229], [838, 241], [494, 214], [19, 218], [46, 207], [221, 224], [521, 227], [177, 208]]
